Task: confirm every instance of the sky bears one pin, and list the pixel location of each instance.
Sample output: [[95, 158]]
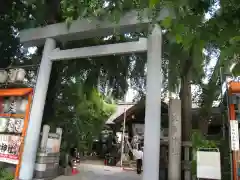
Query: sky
[[32, 50]]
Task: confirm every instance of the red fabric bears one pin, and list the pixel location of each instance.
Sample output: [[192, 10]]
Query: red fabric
[[74, 171]]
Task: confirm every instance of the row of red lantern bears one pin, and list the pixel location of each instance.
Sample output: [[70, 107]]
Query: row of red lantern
[[13, 105], [11, 125]]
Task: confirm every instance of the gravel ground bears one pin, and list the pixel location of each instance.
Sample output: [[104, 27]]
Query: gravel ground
[[100, 172]]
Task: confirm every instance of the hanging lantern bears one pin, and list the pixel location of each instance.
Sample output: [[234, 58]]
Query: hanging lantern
[[18, 104], [11, 124], [3, 76], [12, 75], [13, 107], [21, 104], [6, 105], [3, 124], [18, 125], [20, 74]]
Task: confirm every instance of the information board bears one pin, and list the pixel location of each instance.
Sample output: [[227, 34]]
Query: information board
[[208, 165]]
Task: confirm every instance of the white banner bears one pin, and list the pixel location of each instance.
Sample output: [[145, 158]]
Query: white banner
[[208, 165], [234, 135]]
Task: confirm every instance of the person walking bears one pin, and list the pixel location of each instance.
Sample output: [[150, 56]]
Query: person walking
[[138, 153]]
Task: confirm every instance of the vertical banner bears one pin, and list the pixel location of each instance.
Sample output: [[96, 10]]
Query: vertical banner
[[234, 135]]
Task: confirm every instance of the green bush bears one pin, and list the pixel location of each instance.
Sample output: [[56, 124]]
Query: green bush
[[198, 142], [6, 175]]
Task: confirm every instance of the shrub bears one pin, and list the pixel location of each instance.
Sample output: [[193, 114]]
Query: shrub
[[6, 175]]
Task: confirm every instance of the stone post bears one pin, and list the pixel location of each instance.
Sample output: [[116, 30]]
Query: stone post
[[43, 144], [174, 139], [59, 132]]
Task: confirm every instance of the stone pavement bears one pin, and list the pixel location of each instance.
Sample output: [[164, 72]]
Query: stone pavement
[[100, 172]]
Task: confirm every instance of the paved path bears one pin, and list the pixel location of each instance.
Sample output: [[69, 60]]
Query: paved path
[[99, 172]]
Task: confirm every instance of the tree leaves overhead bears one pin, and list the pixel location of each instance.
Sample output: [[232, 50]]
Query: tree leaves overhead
[[12, 15], [185, 38], [187, 35]]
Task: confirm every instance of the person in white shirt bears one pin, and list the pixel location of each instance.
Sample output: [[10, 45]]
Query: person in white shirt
[[138, 154]]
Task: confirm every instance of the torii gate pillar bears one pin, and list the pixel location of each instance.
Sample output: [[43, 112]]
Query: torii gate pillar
[[153, 106], [33, 131]]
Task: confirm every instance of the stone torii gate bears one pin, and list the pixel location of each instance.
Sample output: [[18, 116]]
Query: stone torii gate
[[82, 29]]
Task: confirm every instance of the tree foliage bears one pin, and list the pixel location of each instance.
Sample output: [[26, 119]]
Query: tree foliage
[[187, 37], [12, 14], [81, 114], [75, 98]]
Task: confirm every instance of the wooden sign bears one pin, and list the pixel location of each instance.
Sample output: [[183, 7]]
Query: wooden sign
[[234, 135]]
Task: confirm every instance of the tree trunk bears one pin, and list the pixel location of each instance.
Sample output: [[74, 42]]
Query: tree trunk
[[186, 103], [203, 125]]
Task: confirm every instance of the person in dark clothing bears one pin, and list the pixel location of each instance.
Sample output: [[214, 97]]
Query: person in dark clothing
[[138, 153], [73, 155], [139, 166]]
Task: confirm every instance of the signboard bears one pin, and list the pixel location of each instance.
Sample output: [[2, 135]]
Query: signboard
[[208, 165], [9, 148], [53, 145], [234, 135], [50, 142]]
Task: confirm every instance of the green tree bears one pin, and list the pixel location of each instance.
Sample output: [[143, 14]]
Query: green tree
[[186, 41], [186, 35], [12, 17], [81, 114]]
